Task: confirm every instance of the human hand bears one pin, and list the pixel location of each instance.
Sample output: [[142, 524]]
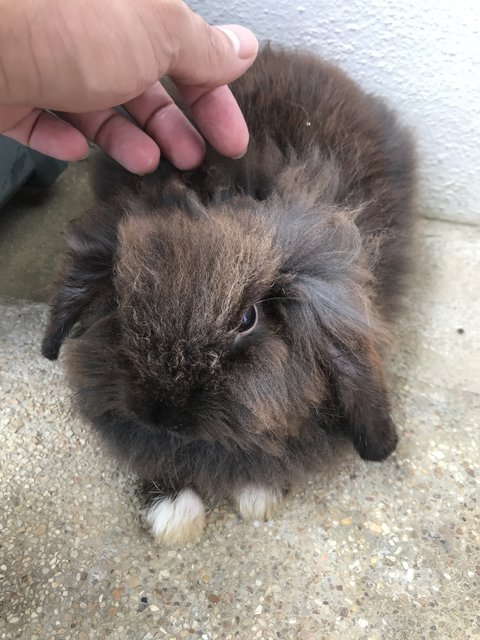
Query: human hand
[[79, 60]]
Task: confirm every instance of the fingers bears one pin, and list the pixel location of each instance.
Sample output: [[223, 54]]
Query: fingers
[[164, 125], [136, 149], [118, 137], [215, 111], [43, 132], [219, 118], [62, 138], [177, 138]]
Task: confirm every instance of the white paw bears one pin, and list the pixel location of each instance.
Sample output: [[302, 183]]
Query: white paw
[[258, 503], [178, 520]]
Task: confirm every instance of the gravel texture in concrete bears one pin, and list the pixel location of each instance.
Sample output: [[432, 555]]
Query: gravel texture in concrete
[[365, 550]]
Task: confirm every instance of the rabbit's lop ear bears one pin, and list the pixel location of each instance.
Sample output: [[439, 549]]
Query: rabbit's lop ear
[[361, 394], [89, 264], [339, 327]]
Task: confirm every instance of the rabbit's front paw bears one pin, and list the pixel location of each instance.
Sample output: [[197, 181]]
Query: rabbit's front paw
[[176, 520], [258, 503]]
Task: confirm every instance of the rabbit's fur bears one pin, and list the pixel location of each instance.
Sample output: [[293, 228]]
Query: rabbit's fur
[[312, 226]]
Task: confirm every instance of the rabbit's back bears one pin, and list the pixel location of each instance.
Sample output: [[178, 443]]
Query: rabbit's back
[[305, 104], [301, 109]]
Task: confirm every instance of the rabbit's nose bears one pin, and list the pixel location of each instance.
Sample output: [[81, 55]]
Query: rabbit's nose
[[151, 413], [164, 413], [171, 416]]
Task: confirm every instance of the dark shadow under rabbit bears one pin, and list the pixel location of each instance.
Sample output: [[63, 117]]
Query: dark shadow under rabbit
[[225, 324]]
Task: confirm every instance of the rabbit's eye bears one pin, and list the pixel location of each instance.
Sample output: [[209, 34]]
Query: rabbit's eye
[[249, 320]]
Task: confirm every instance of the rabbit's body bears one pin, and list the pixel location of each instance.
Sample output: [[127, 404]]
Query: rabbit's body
[[229, 318]]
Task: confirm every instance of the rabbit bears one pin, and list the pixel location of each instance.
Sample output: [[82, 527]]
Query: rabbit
[[226, 325]]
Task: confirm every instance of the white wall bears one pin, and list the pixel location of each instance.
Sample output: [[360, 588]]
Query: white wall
[[422, 55]]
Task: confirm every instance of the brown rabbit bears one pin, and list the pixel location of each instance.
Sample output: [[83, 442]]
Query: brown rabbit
[[225, 323]]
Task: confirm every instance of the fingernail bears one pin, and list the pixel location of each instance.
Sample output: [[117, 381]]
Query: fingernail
[[244, 42], [240, 156]]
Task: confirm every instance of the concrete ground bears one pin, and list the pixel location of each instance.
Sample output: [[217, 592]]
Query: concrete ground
[[365, 550]]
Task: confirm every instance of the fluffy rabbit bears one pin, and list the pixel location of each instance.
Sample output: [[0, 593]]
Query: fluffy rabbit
[[225, 323]]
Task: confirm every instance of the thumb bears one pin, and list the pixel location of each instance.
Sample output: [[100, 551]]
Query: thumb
[[210, 56]]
